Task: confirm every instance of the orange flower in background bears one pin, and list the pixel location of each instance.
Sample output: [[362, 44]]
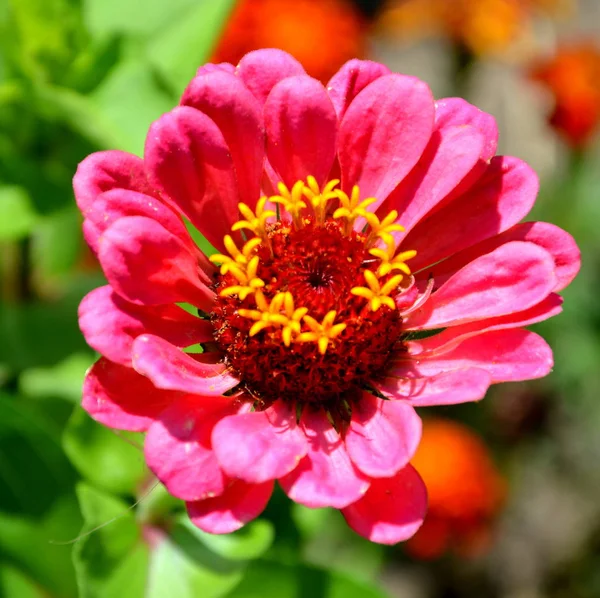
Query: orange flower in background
[[464, 487], [481, 26], [573, 78], [321, 34]]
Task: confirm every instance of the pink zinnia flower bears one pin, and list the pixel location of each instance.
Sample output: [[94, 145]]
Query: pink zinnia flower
[[310, 369]]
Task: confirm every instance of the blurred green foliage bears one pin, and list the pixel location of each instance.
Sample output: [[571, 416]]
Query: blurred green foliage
[[79, 512]]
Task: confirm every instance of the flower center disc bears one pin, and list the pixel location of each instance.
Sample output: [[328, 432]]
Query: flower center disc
[[294, 315]]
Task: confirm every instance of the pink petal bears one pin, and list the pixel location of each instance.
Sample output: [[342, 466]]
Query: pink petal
[[238, 114], [301, 129], [326, 476], [239, 504], [503, 196], [449, 156], [442, 342], [392, 510], [112, 205], [261, 70], [178, 448], [147, 264], [110, 324], [453, 112], [170, 368], [350, 80], [120, 398], [107, 170], [382, 436], [210, 67], [557, 242], [406, 382], [383, 134], [190, 162], [512, 278], [260, 446], [508, 355]]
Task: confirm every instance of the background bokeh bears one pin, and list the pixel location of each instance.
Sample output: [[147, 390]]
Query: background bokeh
[[514, 480]]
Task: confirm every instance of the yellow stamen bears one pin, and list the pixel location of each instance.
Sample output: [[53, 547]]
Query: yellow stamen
[[321, 333], [240, 259], [319, 198], [291, 201], [255, 222], [249, 281], [382, 229], [376, 294], [269, 314], [351, 207], [390, 262]]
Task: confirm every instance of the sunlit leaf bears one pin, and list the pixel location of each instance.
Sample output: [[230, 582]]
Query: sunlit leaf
[[110, 460], [17, 216]]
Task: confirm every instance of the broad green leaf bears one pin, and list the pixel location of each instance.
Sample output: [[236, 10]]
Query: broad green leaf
[[110, 558], [63, 380], [252, 541], [14, 583], [271, 579], [17, 216], [37, 546], [79, 113], [34, 472], [330, 543], [186, 43], [104, 17], [58, 243], [131, 98], [113, 461], [182, 566]]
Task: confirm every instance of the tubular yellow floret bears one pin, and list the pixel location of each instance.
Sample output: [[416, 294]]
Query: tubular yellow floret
[[351, 207], [269, 314], [321, 333], [291, 201], [382, 229], [248, 279], [376, 294], [255, 222], [389, 261], [239, 259], [319, 198]]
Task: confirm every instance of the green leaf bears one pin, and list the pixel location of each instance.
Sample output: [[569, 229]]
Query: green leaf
[[186, 43], [184, 567], [14, 583], [34, 472], [113, 461], [104, 17], [110, 557], [34, 546], [17, 216], [131, 98], [330, 543], [63, 380], [252, 541], [271, 579]]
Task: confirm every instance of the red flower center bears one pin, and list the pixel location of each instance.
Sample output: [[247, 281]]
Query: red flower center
[[306, 309]]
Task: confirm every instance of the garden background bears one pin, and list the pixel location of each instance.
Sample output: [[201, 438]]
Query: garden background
[[77, 76]]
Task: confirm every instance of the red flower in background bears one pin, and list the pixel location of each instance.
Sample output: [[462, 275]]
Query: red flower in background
[[321, 34], [573, 79], [309, 321], [464, 488]]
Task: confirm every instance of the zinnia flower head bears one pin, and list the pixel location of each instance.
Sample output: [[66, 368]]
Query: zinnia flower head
[[482, 26], [465, 491], [321, 34], [350, 220], [573, 79]]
